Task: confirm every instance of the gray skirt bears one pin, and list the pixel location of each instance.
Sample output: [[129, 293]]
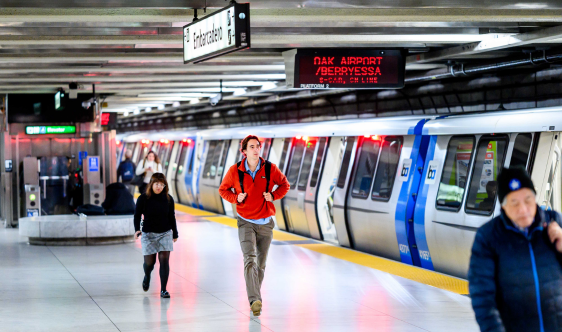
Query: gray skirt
[[153, 243]]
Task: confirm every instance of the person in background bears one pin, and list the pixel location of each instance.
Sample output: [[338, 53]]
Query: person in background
[[515, 276], [159, 229], [126, 171], [150, 165], [254, 205], [488, 203]]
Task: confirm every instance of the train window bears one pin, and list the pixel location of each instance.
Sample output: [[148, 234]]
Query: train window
[[521, 150], [223, 158], [286, 142], [489, 161], [181, 160], [307, 163], [386, 170], [345, 161], [294, 167], [318, 162], [367, 161], [455, 173], [211, 149], [216, 158], [238, 155], [265, 148]]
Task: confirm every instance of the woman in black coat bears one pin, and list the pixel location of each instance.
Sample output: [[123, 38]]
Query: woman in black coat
[[159, 230]]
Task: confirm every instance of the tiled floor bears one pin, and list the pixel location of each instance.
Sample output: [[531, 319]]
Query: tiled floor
[[98, 288]]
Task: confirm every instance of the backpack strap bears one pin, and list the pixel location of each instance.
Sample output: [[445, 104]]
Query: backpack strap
[[240, 176], [267, 174]]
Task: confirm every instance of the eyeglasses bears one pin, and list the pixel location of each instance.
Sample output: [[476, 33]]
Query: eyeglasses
[[160, 185]]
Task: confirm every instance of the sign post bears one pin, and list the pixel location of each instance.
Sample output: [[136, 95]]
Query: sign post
[[222, 32]]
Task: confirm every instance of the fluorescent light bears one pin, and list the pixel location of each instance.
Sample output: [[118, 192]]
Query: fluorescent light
[[148, 109], [126, 113], [268, 86], [161, 107], [176, 104], [194, 101], [186, 94], [239, 92], [136, 111]]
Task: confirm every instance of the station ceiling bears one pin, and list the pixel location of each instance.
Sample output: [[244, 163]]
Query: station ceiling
[[132, 49]]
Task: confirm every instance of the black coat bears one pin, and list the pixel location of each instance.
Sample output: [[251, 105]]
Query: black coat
[[118, 200], [515, 279]]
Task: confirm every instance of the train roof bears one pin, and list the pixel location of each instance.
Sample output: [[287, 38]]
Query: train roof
[[535, 120]]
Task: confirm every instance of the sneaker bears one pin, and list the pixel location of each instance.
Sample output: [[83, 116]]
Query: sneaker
[[145, 283], [165, 294], [256, 307]]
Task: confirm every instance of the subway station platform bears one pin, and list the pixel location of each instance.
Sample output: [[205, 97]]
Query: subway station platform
[[308, 286]]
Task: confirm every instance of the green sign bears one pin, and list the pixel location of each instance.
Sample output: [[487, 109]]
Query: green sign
[[45, 130]]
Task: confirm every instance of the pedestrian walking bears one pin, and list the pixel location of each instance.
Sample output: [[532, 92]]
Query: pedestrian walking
[[252, 180], [159, 230], [515, 276], [150, 165]]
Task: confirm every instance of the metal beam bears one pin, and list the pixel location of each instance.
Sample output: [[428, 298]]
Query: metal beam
[[489, 45], [116, 70], [196, 79]]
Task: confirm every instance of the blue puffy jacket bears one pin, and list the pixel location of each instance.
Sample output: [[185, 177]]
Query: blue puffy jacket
[[515, 279]]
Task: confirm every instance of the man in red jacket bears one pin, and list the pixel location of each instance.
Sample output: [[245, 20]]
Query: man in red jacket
[[254, 205]]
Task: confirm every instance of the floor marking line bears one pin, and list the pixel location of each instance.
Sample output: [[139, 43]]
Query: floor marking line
[[417, 274], [85, 291]]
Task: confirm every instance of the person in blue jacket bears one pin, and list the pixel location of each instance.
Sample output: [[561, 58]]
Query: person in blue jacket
[[515, 274]]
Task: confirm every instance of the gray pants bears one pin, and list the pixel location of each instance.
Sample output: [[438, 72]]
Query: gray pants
[[254, 241]]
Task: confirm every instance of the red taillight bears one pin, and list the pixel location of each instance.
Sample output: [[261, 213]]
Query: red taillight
[[298, 137], [118, 142], [375, 137], [305, 138]]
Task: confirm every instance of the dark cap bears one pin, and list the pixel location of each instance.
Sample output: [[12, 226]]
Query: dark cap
[[513, 179]]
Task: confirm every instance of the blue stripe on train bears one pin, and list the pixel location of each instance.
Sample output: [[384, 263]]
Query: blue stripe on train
[[419, 213], [407, 197]]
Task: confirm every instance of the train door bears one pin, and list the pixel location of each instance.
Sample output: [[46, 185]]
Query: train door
[[293, 202], [211, 177], [371, 205], [278, 155], [183, 175], [231, 156], [349, 145], [172, 170], [314, 169], [137, 150], [546, 172], [165, 154]]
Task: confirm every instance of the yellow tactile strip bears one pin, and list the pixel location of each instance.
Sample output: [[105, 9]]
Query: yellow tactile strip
[[435, 279]]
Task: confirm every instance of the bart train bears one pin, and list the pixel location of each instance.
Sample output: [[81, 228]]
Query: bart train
[[413, 189]]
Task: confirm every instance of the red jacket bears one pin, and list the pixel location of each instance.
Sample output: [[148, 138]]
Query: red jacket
[[255, 205]]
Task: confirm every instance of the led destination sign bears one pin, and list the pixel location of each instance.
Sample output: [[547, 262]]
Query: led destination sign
[[46, 130], [356, 69], [224, 31]]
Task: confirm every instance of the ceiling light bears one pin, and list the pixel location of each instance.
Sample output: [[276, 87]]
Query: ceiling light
[[161, 107], [268, 86], [176, 104], [136, 111], [239, 92], [126, 113], [148, 109]]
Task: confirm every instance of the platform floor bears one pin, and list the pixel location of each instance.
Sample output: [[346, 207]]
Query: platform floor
[[98, 288]]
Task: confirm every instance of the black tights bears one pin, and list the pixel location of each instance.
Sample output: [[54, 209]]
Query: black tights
[[164, 259]]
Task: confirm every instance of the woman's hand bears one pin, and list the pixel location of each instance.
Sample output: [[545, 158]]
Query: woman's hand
[[175, 240], [138, 234]]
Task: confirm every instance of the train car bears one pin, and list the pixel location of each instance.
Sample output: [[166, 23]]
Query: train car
[[414, 189]]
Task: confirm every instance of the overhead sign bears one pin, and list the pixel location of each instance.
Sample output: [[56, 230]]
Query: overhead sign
[[349, 69], [224, 31], [46, 130]]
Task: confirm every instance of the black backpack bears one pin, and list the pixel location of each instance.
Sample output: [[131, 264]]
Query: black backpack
[[267, 175]]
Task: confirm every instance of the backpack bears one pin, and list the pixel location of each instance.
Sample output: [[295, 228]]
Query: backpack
[[127, 171], [267, 175]]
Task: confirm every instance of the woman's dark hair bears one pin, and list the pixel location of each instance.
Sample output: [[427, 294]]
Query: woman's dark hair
[[157, 177], [156, 159], [244, 143]]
